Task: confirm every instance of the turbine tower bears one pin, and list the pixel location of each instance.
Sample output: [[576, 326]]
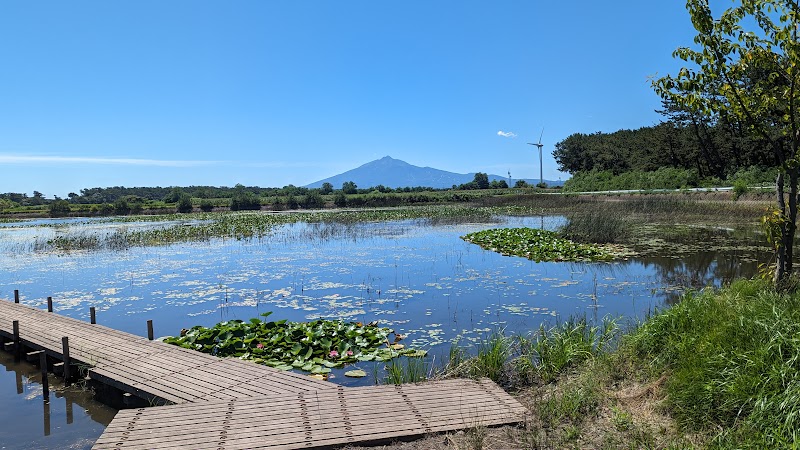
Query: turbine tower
[[540, 145]]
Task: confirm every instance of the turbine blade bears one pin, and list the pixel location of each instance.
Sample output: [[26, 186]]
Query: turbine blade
[[540, 136]]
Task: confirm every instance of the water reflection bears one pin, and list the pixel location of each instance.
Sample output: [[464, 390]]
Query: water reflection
[[69, 420]]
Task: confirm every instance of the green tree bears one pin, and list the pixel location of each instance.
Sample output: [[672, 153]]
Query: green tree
[[59, 208], [349, 187], [521, 184], [121, 207], [481, 180], [184, 203], [312, 200], [326, 188], [752, 77]]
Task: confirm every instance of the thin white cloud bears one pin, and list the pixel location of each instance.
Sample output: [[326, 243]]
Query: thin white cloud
[[506, 134], [29, 159]]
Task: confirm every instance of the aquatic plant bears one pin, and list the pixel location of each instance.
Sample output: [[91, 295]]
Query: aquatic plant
[[538, 245], [316, 346]]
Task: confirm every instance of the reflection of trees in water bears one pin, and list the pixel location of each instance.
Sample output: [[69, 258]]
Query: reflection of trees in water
[[701, 269]]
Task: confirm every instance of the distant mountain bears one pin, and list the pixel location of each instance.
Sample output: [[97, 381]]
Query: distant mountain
[[395, 173]]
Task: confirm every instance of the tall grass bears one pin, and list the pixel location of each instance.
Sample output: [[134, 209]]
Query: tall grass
[[734, 362], [598, 227], [549, 352]]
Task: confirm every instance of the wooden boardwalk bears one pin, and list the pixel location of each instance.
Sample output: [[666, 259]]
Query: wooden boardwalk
[[157, 372], [315, 420], [233, 404]]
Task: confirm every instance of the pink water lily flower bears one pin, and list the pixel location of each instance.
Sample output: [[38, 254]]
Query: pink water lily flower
[[349, 353], [260, 345], [334, 354]]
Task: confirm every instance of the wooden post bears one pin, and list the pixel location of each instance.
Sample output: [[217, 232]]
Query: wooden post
[[17, 343], [16, 295], [45, 381], [150, 329], [92, 317], [49, 304], [65, 353]]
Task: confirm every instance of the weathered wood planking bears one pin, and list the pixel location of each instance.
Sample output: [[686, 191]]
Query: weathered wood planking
[[152, 370], [233, 404], [315, 419]]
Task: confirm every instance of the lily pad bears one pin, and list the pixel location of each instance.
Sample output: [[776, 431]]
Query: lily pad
[[358, 373]]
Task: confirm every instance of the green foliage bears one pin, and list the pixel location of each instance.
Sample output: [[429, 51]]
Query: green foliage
[[206, 205], [541, 185], [58, 208], [663, 178], [326, 188], [121, 207], [520, 184], [732, 356], [340, 199], [739, 189], [312, 200], [316, 346], [538, 245], [349, 187], [184, 204], [245, 200], [551, 351], [481, 180], [749, 77]]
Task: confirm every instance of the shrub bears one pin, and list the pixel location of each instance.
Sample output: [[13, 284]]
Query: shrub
[[206, 205], [312, 200], [340, 199], [184, 204], [59, 208], [739, 188], [121, 207], [245, 200]]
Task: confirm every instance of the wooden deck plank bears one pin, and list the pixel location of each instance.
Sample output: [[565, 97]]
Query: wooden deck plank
[[315, 419], [230, 403]]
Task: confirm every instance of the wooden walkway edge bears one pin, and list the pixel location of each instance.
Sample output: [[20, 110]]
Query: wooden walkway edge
[[315, 420], [232, 404]]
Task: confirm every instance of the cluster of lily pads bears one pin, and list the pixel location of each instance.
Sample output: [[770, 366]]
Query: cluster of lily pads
[[317, 346], [538, 245]]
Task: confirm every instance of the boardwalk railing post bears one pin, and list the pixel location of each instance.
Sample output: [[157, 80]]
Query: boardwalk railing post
[[150, 329], [45, 381], [49, 304], [16, 295], [17, 343], [92, 317], [65, 353]]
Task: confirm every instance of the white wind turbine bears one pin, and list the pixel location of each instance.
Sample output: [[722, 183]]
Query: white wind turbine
[[540, 145]]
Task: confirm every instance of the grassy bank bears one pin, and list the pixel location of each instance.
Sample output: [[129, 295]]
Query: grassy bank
[[719, 370]]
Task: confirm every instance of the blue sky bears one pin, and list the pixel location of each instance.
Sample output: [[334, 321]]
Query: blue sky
[[144, 93]]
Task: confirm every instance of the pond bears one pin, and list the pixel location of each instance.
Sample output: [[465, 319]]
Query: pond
[[414, 276]]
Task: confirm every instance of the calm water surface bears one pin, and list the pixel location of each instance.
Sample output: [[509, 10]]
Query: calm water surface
[[413, 276]]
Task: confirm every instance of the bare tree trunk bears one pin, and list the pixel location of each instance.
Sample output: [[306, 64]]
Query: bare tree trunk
[[780, 248], [791, 221]]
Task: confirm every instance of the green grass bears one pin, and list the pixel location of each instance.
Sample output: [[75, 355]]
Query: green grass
[[733, 359], [598, 227]]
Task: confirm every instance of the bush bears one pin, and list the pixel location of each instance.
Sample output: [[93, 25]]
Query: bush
[[243, 200], [206, 205], [340, 199], [59, 208], [739, 188], [184, 204], [121, 207], [312, 200]]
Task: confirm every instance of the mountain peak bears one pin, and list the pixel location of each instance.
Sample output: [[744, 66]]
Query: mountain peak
[[393, 173]]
